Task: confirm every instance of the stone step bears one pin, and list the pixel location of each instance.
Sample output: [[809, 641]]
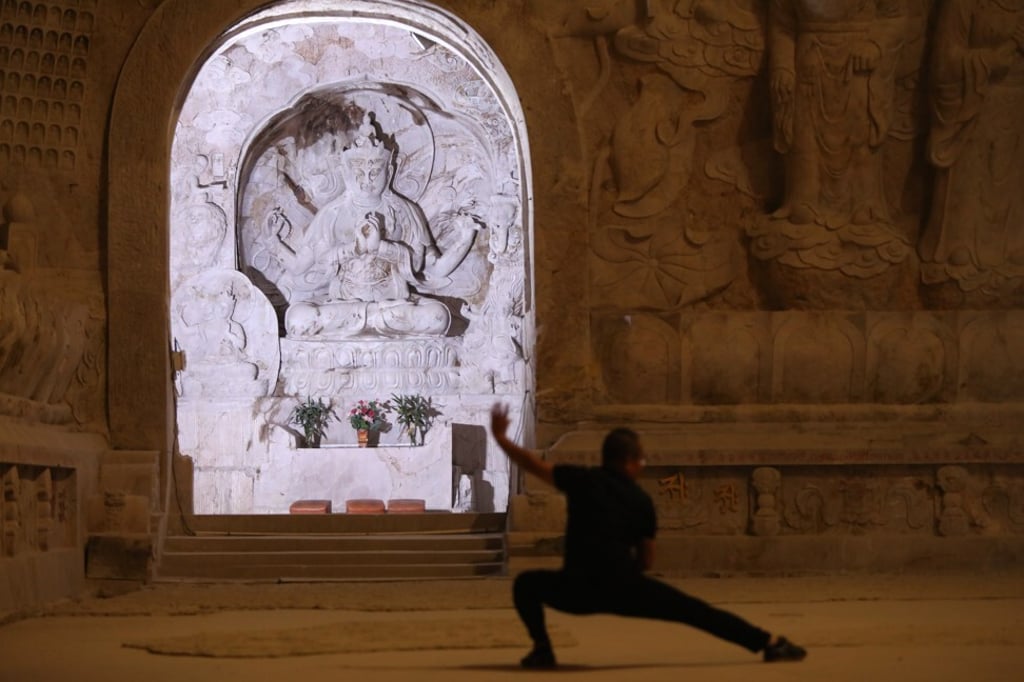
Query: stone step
[[339, 558], [302, 547], [340, 523], [333, 543], [216, 571], [184, 563]]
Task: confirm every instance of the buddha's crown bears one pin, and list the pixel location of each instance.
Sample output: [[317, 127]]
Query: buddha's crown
[[368, 142]]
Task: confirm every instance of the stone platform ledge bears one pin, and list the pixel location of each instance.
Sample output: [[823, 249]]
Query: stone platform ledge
[[38, 444], [802, 443], [715, 555], [968, 412]]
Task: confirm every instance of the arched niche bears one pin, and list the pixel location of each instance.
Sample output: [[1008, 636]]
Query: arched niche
[[187, 216]]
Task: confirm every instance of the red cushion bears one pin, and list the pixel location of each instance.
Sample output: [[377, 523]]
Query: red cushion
[[310, 507], [364, 506], [410, 506]]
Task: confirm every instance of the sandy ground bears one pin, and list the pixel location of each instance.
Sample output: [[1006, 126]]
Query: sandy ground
[[874, 628]]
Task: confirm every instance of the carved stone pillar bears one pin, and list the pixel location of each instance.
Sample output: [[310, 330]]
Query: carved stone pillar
[[953, 518], [12, 512], [44, 509], [766, 482]]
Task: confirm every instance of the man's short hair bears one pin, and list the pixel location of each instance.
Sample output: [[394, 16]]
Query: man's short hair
[[620, 445]]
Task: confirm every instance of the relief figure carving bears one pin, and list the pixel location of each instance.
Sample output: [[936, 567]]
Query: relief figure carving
[[833, 69], [689, 55], [42, 346], [495, 349], [975, 237], [703, 46], [225, 328], [1003, 503]]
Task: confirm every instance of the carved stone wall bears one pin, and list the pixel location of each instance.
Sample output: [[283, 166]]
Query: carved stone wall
[[663, 142], [744, 211], [774, 174]]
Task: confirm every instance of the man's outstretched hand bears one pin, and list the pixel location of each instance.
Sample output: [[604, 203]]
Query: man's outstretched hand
[[499, 420], [521, 456]]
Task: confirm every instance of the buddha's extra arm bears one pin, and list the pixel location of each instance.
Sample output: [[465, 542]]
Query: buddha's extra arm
[[292, 174], [316, 258], [441, 265]]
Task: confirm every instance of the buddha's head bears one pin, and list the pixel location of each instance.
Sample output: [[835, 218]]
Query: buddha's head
[[367, 162]]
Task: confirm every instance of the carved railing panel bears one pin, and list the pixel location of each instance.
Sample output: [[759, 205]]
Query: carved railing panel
[[38, 509]]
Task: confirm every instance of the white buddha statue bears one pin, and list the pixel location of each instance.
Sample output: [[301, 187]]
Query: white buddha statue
[[372, 250]]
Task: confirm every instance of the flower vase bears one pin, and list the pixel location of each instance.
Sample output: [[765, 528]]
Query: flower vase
[[364, 437]]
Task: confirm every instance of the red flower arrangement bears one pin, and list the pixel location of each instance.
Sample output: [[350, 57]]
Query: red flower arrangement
[[369, 415]]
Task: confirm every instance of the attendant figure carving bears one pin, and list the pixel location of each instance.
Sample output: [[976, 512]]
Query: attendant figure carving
[[975, 236], [833, 69], [216, 342], [42, 339]]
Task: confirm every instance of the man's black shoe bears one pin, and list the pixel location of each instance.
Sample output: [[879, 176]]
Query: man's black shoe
[[783, 650], [539, 658]]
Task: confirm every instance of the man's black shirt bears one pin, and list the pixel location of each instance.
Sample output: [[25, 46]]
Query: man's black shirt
[[609, 516]]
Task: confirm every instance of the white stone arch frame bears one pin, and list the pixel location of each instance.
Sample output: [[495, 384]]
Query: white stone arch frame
[[147, 99]]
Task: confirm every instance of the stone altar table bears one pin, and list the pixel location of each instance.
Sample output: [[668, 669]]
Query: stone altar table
[[344, 472]]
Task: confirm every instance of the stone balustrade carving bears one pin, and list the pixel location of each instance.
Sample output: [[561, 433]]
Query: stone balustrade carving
[[766, 482], [804, 357]]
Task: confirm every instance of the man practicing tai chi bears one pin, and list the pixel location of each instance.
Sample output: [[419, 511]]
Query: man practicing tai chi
[[609, 543]]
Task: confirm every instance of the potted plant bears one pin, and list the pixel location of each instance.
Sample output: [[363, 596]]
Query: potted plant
[[369, 418], [415, 414], [313, 416]]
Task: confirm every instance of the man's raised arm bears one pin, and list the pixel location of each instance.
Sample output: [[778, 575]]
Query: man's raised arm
[[524, 458]]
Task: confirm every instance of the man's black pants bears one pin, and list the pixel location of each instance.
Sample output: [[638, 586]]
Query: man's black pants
[[636, 596]]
